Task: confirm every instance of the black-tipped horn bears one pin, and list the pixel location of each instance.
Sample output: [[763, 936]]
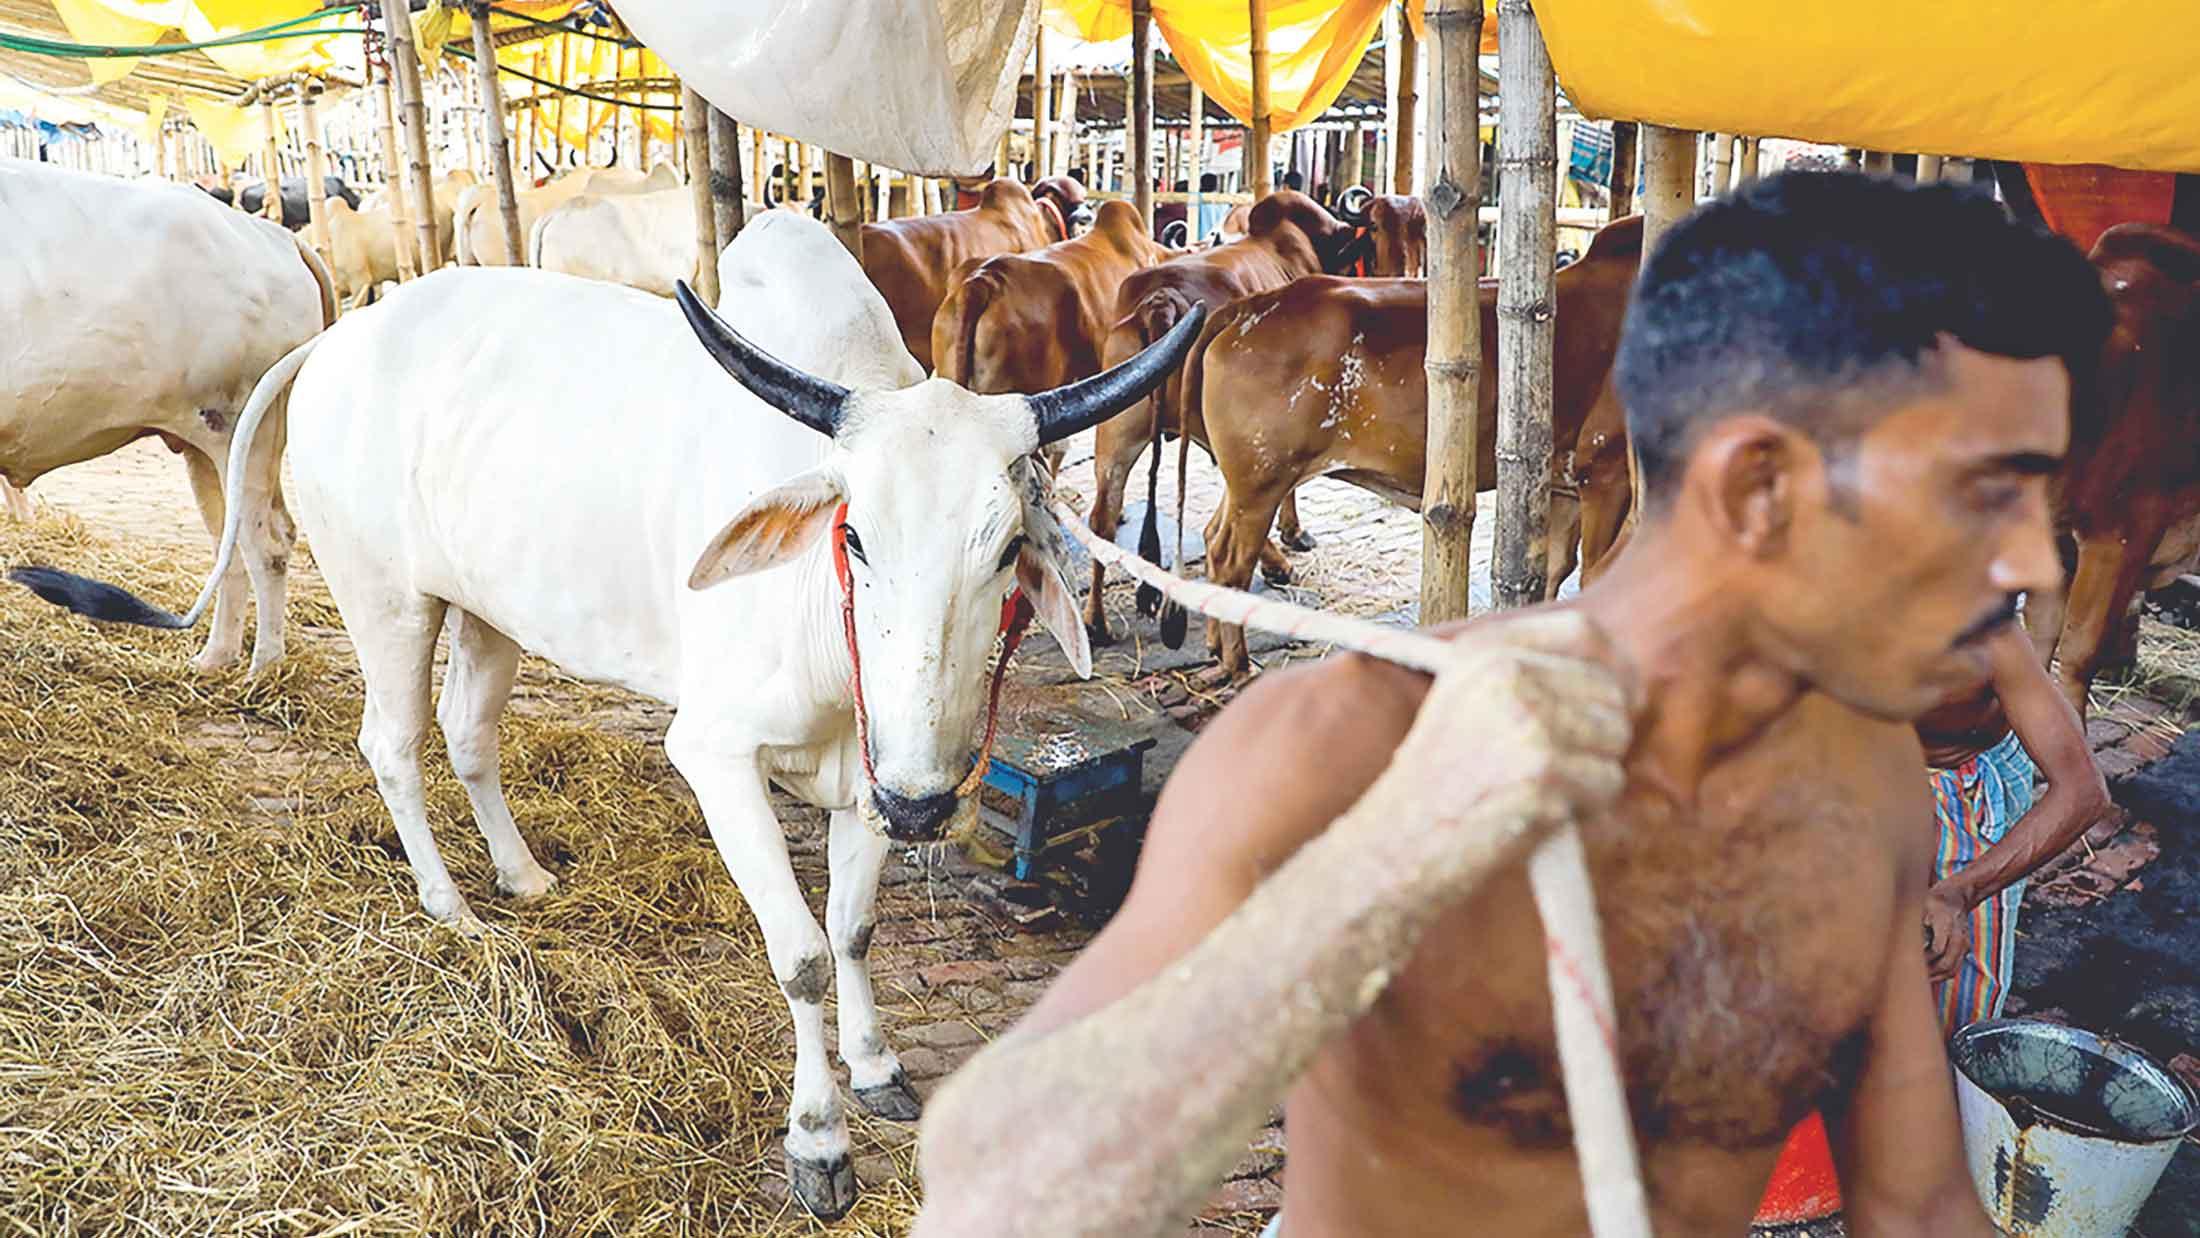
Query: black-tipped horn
[[1352, 205], [805, 397], [1088, 402]]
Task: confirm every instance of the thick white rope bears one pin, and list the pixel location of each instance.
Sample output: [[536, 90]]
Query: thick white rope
[[1558, 872]]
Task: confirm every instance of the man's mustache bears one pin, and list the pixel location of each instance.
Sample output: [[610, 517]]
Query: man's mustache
[[1993, 621]]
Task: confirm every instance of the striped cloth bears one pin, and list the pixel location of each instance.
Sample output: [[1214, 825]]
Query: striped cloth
[[1974, 805]]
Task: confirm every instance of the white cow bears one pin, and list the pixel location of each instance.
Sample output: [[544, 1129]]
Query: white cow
[[481, 226], [131, 308], [642, 240], [679, 541]]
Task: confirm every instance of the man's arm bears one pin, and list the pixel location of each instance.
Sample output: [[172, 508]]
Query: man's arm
[[2076, 797], [1897, 1142], [1161, 1050]]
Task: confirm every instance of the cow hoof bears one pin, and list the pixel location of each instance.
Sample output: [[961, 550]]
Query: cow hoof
[[447, 907], [1298, 543], [1175, 620], [826, 1188], [531, 882], [1276, 573], [262, 665], [211, 661], [1098, 635], [893, 1100]]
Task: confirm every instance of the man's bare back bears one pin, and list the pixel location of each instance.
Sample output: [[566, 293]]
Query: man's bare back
[[1747, 943]]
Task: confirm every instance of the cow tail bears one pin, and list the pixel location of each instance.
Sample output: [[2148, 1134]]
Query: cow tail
[[462, 222], [113, 604], [534, 242], [322, 281], [1190, 406], [1155, 315], [960, 363]]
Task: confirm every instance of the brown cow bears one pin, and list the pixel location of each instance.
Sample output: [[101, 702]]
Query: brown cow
[[1035, 321], [911, 261], [1397, 231], [2129, 491], [1291, 235], [1326, 376]]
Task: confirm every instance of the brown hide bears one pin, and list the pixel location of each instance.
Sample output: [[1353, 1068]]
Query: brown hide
[[1291, 235], [912, 261], [1327, 376], [2129, 491], [1034, 321], [1397, 236]]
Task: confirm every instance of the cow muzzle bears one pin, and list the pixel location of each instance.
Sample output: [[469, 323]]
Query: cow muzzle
[[914, 819]]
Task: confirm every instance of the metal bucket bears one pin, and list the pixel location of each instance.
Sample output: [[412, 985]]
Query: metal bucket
[[2066, 1132]]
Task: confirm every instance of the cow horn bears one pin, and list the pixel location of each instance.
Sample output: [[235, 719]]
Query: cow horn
[[1088, 402], [1352, 205], [805, 397]]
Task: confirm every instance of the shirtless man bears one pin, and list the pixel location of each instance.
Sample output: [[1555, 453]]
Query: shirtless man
[[1984, 751], [1846, 397]]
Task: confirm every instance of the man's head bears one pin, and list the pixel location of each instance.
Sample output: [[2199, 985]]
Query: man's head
[[1209, 183], [1857, 391], [1292, 180]]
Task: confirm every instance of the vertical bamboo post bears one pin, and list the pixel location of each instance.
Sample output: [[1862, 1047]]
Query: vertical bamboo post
[[271, 163], [695, 135], [758, 141], [1141, 112], [728, 196], [1042, 101], [1626, 161], [1196, 154], [803, 183], [1745, 161], [1454, 354], [393, 175], [1928, 169], [316, 169], [885, 187], [1668, 180], [471, 92], [492, 126], [1722, 163], [1404, 112], [1065, 124], [1001, 156], [1355, 157], [1263, 121], [842, 207], [413, 113], [1527, 222], [557, 113]]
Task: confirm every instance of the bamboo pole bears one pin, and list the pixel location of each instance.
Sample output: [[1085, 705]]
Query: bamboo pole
[[1626, 161], [1065, 125], [1263, 120], [1042, 101], [758, 140], [271, 163], [557, 115], [393, 176], [492, 125], [1745, 161], [1928, 169], [309, 119], [695, 132], [1878, 162], [1454, 354], [471, 92], [728, 196], [842, 207], [802, 179], [413, 115], [1722, 163], [1527, 222], [1403, 112], [1355, 156], [1002, 157], [1668, 180], [1141, 147]]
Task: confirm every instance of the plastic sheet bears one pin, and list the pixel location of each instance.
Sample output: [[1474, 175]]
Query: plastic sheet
[[923, 86]]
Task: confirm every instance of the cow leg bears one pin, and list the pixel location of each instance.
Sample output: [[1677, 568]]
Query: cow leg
[[2108, 571], [725, 778], [395, 639], [265, 540], [1115, 449], [476, 686], [1294, 538], [18, 503], [2044, 614], [1561, 542], [225, 634], [857, 854], [1241, 535]]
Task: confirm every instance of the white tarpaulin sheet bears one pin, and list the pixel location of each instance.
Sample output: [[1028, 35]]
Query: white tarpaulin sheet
[[922, 86]]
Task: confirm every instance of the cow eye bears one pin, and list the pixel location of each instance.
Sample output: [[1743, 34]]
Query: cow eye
[[1008, 556], [854, 544]]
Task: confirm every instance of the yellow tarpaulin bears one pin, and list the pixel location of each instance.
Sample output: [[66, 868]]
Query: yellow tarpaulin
[[577, 61], [2086, 81], [234, 132], [139, 23], [1313, 47], [89, 21]]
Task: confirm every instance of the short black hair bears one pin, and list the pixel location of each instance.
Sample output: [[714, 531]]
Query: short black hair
[[1820, 298], [1292, 180], [1208, 182]]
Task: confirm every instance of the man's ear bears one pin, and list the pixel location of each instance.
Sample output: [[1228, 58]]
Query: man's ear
[[778, 525], [1747, 473]]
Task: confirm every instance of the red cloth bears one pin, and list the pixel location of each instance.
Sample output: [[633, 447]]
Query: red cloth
[[1804, 1186], [2083, 200]]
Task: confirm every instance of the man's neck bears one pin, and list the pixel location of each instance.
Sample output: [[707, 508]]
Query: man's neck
[[1708, 686]]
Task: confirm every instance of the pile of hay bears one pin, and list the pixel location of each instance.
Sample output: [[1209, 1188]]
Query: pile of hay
[[223, 1010]]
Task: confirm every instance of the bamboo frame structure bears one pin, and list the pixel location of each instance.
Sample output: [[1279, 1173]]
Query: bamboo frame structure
[[492, 126], [1722, 163], [1141, 169], [413, 116], [393, 176], [1257, 142], [1454, 358], [1668, 180], [842, 206], [728, 198], [271, 162], [1626, 164], [1065, 125], [1041, 106], [1928, 169], [1355, 155], [1527, 224], [309, 119], [695, 141], [1745, 161], [1405, 109]]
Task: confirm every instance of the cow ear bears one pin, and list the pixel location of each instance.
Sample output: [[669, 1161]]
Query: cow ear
[[1043, 568], [775, 527]]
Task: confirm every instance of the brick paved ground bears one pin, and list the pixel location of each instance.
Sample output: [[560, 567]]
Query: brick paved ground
[[962, 950]]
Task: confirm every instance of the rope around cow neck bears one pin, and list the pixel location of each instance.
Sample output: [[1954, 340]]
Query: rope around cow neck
[[1558, 873]]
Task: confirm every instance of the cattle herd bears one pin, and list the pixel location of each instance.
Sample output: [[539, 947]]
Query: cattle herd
[[840, 475]]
